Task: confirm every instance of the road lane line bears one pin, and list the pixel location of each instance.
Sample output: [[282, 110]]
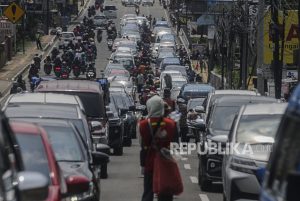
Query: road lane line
[[184, 159], [194, 180], [203, 197], [187, 166]]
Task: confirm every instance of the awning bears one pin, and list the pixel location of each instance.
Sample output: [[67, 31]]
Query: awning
[[206, 19]]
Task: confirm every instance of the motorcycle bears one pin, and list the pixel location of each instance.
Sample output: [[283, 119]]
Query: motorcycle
[[99, 37], [196, 124], [65, 73], [91, 73], [47, 68], [57, 71], [109, 44]]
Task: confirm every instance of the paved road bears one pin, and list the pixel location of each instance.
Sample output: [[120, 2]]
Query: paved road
[[125, 182]]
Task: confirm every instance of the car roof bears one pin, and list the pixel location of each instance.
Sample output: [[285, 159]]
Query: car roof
[[171, 59], [69, 85], [44, 98], [178, 78], [175, 66], [48, 122], [261, 109], [25, 128], [204, 87], [43, 111], [233, 100], [238, 92]]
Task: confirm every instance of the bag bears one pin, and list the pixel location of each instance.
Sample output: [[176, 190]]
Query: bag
[[166, 176]]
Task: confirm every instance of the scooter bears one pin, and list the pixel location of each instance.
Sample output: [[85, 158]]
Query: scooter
[[76, 71], [57, 71], [47, 68]]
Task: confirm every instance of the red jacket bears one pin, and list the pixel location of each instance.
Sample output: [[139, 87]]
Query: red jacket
[[168, 126]]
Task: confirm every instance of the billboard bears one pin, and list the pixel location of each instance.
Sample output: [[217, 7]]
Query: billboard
[[290, 36]]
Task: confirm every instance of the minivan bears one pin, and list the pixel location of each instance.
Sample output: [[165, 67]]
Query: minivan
[[282, 175]]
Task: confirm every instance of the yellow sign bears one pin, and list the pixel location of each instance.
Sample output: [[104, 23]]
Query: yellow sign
[[14, 12], [291, 41]]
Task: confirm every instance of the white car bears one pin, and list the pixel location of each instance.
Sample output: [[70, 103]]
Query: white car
[[110, 11], [65, 38], [148, 2], [100, 20]]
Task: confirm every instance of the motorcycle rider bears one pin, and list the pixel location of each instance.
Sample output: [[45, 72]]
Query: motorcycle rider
[[37, 61], [137, 9], [57, 61], [54, 53], [168, 100], [33, 71], [99, 35]]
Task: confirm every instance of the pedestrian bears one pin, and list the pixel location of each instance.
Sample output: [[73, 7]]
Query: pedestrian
[[155, 129], [140, 82], [38, 41]]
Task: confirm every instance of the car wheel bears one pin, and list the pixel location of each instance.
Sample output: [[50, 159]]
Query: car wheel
[[118, 151], [103, 172], [204, 183], [127, 142]]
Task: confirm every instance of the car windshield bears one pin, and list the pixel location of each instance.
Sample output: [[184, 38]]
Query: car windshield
[[110, 8], [127, 63], [67, 35], [97, 17], [256, 129], [178, 84], [64, 143], [223, 117], [194, 103], [34, 154]]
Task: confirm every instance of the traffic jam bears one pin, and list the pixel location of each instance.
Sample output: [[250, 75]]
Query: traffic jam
[[116, 111]]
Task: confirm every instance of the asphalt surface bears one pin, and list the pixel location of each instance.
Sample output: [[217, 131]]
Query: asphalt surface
[[125, 182]]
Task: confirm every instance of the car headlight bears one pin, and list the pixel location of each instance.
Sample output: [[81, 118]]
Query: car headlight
[[243, 165], [84, 195]]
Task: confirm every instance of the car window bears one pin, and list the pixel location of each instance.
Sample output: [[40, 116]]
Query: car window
[[255, 129], [195, 102], [110, 8], [65, 143], [99, 17], [34, 154], [222, 117], [67, 35]]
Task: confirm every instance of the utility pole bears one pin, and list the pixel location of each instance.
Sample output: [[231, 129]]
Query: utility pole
[[244, 41], [277, 68], [260, 48]]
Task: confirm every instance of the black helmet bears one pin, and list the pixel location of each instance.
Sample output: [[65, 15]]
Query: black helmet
[[167, 92]]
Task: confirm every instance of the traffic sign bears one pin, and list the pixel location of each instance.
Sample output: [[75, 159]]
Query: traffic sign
[[14, 12]]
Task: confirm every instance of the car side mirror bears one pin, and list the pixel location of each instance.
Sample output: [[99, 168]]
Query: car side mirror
[[32, 186], [199, 109], [100, 158], [77, 184], [293, 183]]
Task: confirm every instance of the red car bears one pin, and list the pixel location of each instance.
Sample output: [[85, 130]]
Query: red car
[[38, 156]]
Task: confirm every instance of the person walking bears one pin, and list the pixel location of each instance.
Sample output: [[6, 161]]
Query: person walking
[[38, 41], [155, 129]]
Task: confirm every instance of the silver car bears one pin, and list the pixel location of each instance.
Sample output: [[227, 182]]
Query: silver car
[[110, 11], [100, 20]]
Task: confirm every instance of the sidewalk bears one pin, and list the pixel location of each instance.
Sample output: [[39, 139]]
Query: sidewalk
[[20, 62], [204, 73]]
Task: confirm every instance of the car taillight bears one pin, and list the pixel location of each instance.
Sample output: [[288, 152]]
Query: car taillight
[[57, 68]]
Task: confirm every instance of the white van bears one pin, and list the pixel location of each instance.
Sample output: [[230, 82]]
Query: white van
[[110, 11]]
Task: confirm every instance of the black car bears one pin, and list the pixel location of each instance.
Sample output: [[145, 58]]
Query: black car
[[217, 129], [34, 186], [72, 154], [116, 129], [126, 107]]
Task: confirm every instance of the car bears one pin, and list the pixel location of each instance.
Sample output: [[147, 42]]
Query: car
[[280, 178], [125, 105], [141, 20], [111, 66], [167, 44], [110, 11], [116, 129], [72, 155], [116, 73], [194, 90], [168, 38], [16, 183], [168, 61], [40, 158], [177, 83], [194, 102], [161, 23], [148, 2], [255, 126], [158, 29], [212, 96], [122, 49], [162, 56], [172, 73], [91, 96], [100, 20], [216, 130], [127, 84], [129, 3], [65, 38], [161, 33], [181, 69]]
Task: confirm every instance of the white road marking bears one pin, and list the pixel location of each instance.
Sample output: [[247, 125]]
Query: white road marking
[[184, 159], [194, 180], [187, 166], [203, 197]]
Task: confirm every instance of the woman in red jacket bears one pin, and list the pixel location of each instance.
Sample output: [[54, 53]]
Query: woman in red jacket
[[166, 130]]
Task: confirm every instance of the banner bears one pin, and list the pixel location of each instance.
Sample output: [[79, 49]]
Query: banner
[[290, 36]]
